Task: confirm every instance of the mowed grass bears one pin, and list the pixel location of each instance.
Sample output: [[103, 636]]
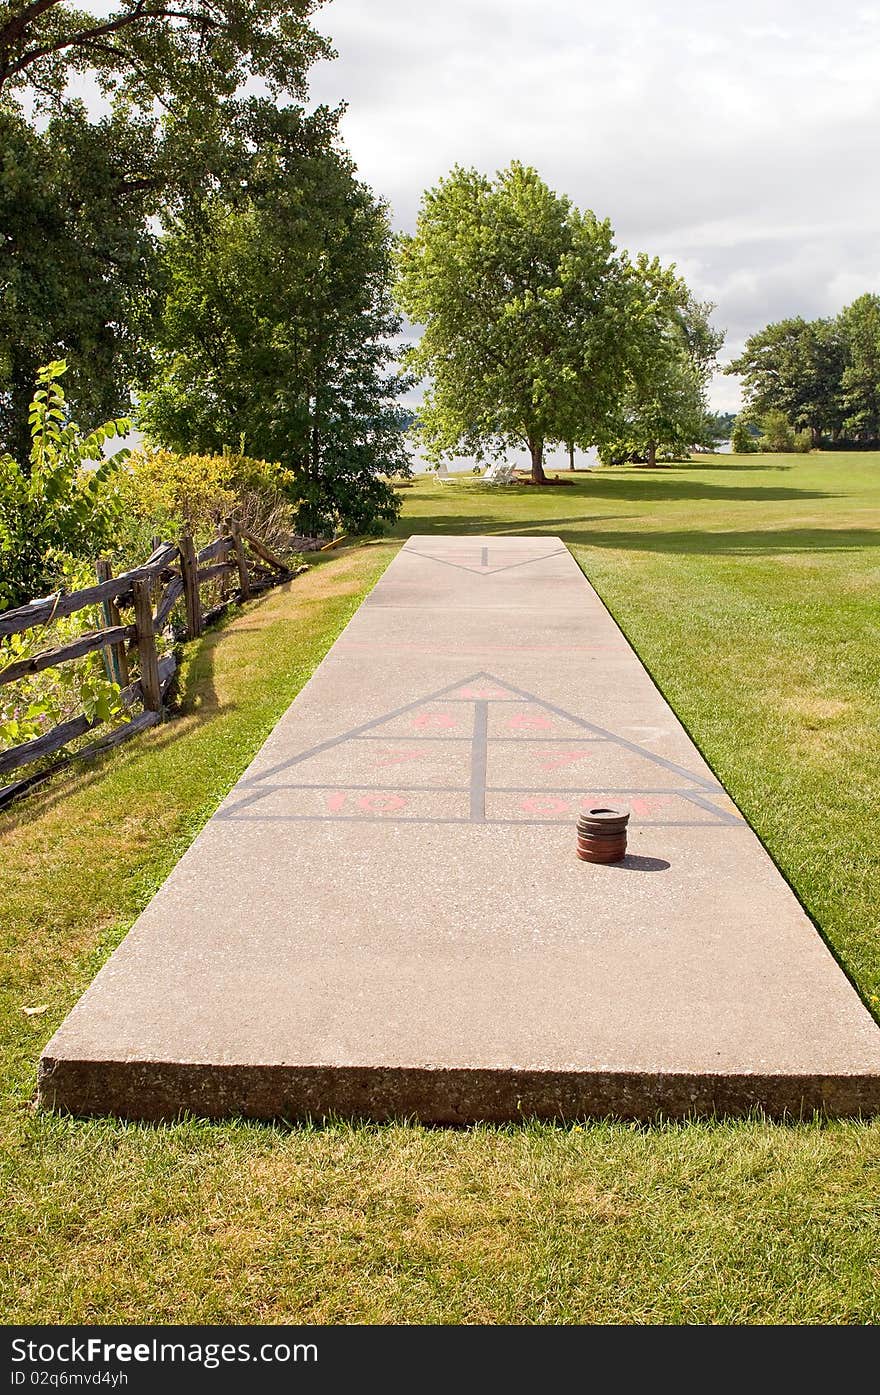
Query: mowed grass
[[750, 590]]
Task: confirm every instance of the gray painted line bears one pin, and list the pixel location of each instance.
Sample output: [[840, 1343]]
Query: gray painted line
[[592, 789], [507, 823], [574, 791], [388, 789], [548, 740], [356, 731], [702, 803], [477, 773], [620, 740], [463, 567], [520, 740], [641, 823], [484, 557], [243, 803], [479, 756]]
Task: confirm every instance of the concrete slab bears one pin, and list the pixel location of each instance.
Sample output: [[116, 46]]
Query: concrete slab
[[386, 916]]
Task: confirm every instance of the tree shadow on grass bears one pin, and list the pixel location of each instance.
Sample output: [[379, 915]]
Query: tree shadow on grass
[[759, 543], [490, 525], [670, 488], [727, 463]]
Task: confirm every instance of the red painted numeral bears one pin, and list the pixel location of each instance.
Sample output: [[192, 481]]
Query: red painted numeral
[[544, 804], [558, 760], [381, 803], [399, 757], [434, 719]]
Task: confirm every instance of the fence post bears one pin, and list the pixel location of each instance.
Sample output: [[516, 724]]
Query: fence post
[[189, 569], [115, 657], [146, 643], [244, 581], [223, 556]]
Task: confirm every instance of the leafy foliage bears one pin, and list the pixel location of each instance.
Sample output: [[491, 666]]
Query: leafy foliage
[[277, 327], [776, 433], [860, 382], [53, 506], [823, 376], [81, 196], [741, 439], [662, 411], [79, 276], [164, 494], [146, 50], [525, 307], [32, 705]]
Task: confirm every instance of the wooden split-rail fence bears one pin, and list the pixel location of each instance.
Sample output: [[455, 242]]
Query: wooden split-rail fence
[[239, 563]]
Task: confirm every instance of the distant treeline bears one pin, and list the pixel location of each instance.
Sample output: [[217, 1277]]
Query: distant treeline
[[820, 377]]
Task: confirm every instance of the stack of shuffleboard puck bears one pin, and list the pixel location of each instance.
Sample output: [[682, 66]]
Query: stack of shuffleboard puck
[[601, 834]]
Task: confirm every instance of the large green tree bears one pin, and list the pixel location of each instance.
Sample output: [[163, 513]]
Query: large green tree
[[525, 307], [795, 367], [82, 192], [663, 407], [78, 267], [860, 381], [278, 325]]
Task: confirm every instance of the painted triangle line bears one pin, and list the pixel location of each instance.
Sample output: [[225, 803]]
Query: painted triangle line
[[357, 731], [483, 570], [596, 732], [688, 775]]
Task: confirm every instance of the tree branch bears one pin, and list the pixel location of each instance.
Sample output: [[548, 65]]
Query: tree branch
[[13, 28], [136, 68], [84, 37]]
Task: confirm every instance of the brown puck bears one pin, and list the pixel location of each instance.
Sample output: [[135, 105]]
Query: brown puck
[[601, 834], [612, 852], [602, 819]]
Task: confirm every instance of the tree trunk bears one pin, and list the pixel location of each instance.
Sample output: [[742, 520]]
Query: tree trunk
[[536, 449], [816, 433], [651, 462], [571, 455]]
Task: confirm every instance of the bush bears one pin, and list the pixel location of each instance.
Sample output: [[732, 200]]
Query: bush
[[54, 506], [776, 432], [742, 442], [34, 704], [163, 494]]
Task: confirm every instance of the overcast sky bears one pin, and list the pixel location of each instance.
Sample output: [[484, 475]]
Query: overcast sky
[[740, 142]]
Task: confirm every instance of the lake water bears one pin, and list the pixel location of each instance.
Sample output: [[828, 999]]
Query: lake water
[[553, 460]]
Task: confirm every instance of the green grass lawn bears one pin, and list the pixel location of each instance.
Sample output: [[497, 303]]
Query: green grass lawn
[[750, 589]]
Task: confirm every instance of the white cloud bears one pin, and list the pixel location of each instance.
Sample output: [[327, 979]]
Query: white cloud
[[739, 142]]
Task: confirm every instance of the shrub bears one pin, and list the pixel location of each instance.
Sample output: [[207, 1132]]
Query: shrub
[[742, 442], [53, 505], [776, 432], [32, 705], [164, 494]]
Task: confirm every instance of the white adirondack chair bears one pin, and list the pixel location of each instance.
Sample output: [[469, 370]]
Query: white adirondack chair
[[499, 472]]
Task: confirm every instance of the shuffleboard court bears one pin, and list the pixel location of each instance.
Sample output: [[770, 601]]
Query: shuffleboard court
[[386, 916]]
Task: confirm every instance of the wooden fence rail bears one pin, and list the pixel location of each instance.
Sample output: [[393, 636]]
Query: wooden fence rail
[[173, 572]]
